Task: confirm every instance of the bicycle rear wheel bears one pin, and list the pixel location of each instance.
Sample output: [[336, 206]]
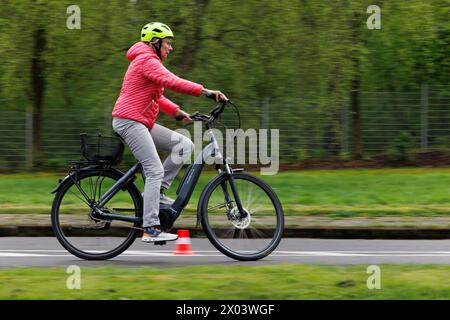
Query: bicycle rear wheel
[[79, 231], [243, 238]]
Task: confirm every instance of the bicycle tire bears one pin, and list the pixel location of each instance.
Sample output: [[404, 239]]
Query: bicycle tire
[[218, 237], [61, 233]]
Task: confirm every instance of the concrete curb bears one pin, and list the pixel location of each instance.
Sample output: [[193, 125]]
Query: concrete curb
[[319, 232]]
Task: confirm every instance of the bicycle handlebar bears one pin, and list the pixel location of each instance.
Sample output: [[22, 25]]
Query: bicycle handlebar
[[213, 114], [196, 116]]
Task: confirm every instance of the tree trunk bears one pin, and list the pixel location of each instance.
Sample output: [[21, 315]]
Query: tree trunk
[[38, 88], [356, 119], [355, 106]]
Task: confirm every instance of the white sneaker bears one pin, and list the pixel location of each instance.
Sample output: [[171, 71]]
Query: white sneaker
[[153, 234], [163, 199]]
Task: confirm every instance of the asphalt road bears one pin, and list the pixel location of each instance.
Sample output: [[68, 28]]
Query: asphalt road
[[47, 252]]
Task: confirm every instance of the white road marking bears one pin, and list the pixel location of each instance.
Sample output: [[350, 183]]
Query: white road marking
[[211, 253], [21, 250], [23, 255]]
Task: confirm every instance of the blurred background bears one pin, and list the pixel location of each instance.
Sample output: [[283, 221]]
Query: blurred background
[[335, 89]]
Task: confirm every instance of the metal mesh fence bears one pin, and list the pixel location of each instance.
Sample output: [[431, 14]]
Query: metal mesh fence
[[413, 120], [423, 118]]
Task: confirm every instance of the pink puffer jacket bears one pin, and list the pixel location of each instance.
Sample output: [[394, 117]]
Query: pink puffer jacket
[[141, 96]]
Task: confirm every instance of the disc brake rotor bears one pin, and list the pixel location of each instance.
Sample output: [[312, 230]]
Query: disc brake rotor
[[237, 221]]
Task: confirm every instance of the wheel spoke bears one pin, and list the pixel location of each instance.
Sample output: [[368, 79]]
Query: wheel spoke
[[78, 185], [83, 200], [219, 206], [99, 183]]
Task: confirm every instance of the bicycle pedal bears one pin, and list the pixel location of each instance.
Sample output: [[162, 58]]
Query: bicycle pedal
[[160, 243]]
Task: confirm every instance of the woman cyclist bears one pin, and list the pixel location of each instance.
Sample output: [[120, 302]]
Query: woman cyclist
[[135, 113]]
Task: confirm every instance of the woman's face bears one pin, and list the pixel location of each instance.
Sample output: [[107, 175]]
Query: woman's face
[[166, 48]]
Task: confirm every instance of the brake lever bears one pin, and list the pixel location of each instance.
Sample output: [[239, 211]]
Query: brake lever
[[215, 110], [194, 115]]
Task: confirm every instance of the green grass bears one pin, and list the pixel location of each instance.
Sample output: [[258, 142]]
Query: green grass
[[339, 193], [222, 282]]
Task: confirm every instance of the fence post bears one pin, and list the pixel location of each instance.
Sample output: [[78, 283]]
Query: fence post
[[345, 129], [424, 118], [28, 140]]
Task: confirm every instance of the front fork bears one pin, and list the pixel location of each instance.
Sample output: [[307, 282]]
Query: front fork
[[228, 199]]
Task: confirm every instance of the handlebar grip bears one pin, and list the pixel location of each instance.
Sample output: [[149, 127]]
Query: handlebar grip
[[210, 95]]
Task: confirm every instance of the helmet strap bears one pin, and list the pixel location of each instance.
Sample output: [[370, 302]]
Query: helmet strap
[[157, 46]]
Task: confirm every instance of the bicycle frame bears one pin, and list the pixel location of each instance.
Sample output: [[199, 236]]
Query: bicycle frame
[[185, 189]]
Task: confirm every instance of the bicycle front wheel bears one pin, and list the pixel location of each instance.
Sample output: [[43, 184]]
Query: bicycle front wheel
[[79, 231], [243, 238]]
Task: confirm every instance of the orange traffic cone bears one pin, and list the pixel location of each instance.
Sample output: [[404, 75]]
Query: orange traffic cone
[[183, 244]]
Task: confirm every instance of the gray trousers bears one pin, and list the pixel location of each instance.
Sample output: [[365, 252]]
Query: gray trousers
[[144, 143]]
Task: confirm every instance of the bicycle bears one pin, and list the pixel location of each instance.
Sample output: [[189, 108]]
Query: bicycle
[[97, 210]]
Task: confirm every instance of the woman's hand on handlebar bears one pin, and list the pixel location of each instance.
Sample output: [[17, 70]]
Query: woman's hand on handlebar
[[181, 115], [215, 94]]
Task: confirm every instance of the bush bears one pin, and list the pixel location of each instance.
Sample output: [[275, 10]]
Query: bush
[[442, 144], [402, 148]]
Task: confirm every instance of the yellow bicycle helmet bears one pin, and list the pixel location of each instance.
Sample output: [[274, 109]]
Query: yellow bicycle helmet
[[155, 30]]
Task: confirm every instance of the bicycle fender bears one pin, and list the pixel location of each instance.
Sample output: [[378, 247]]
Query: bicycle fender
[[62, 181], [74, 173]]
